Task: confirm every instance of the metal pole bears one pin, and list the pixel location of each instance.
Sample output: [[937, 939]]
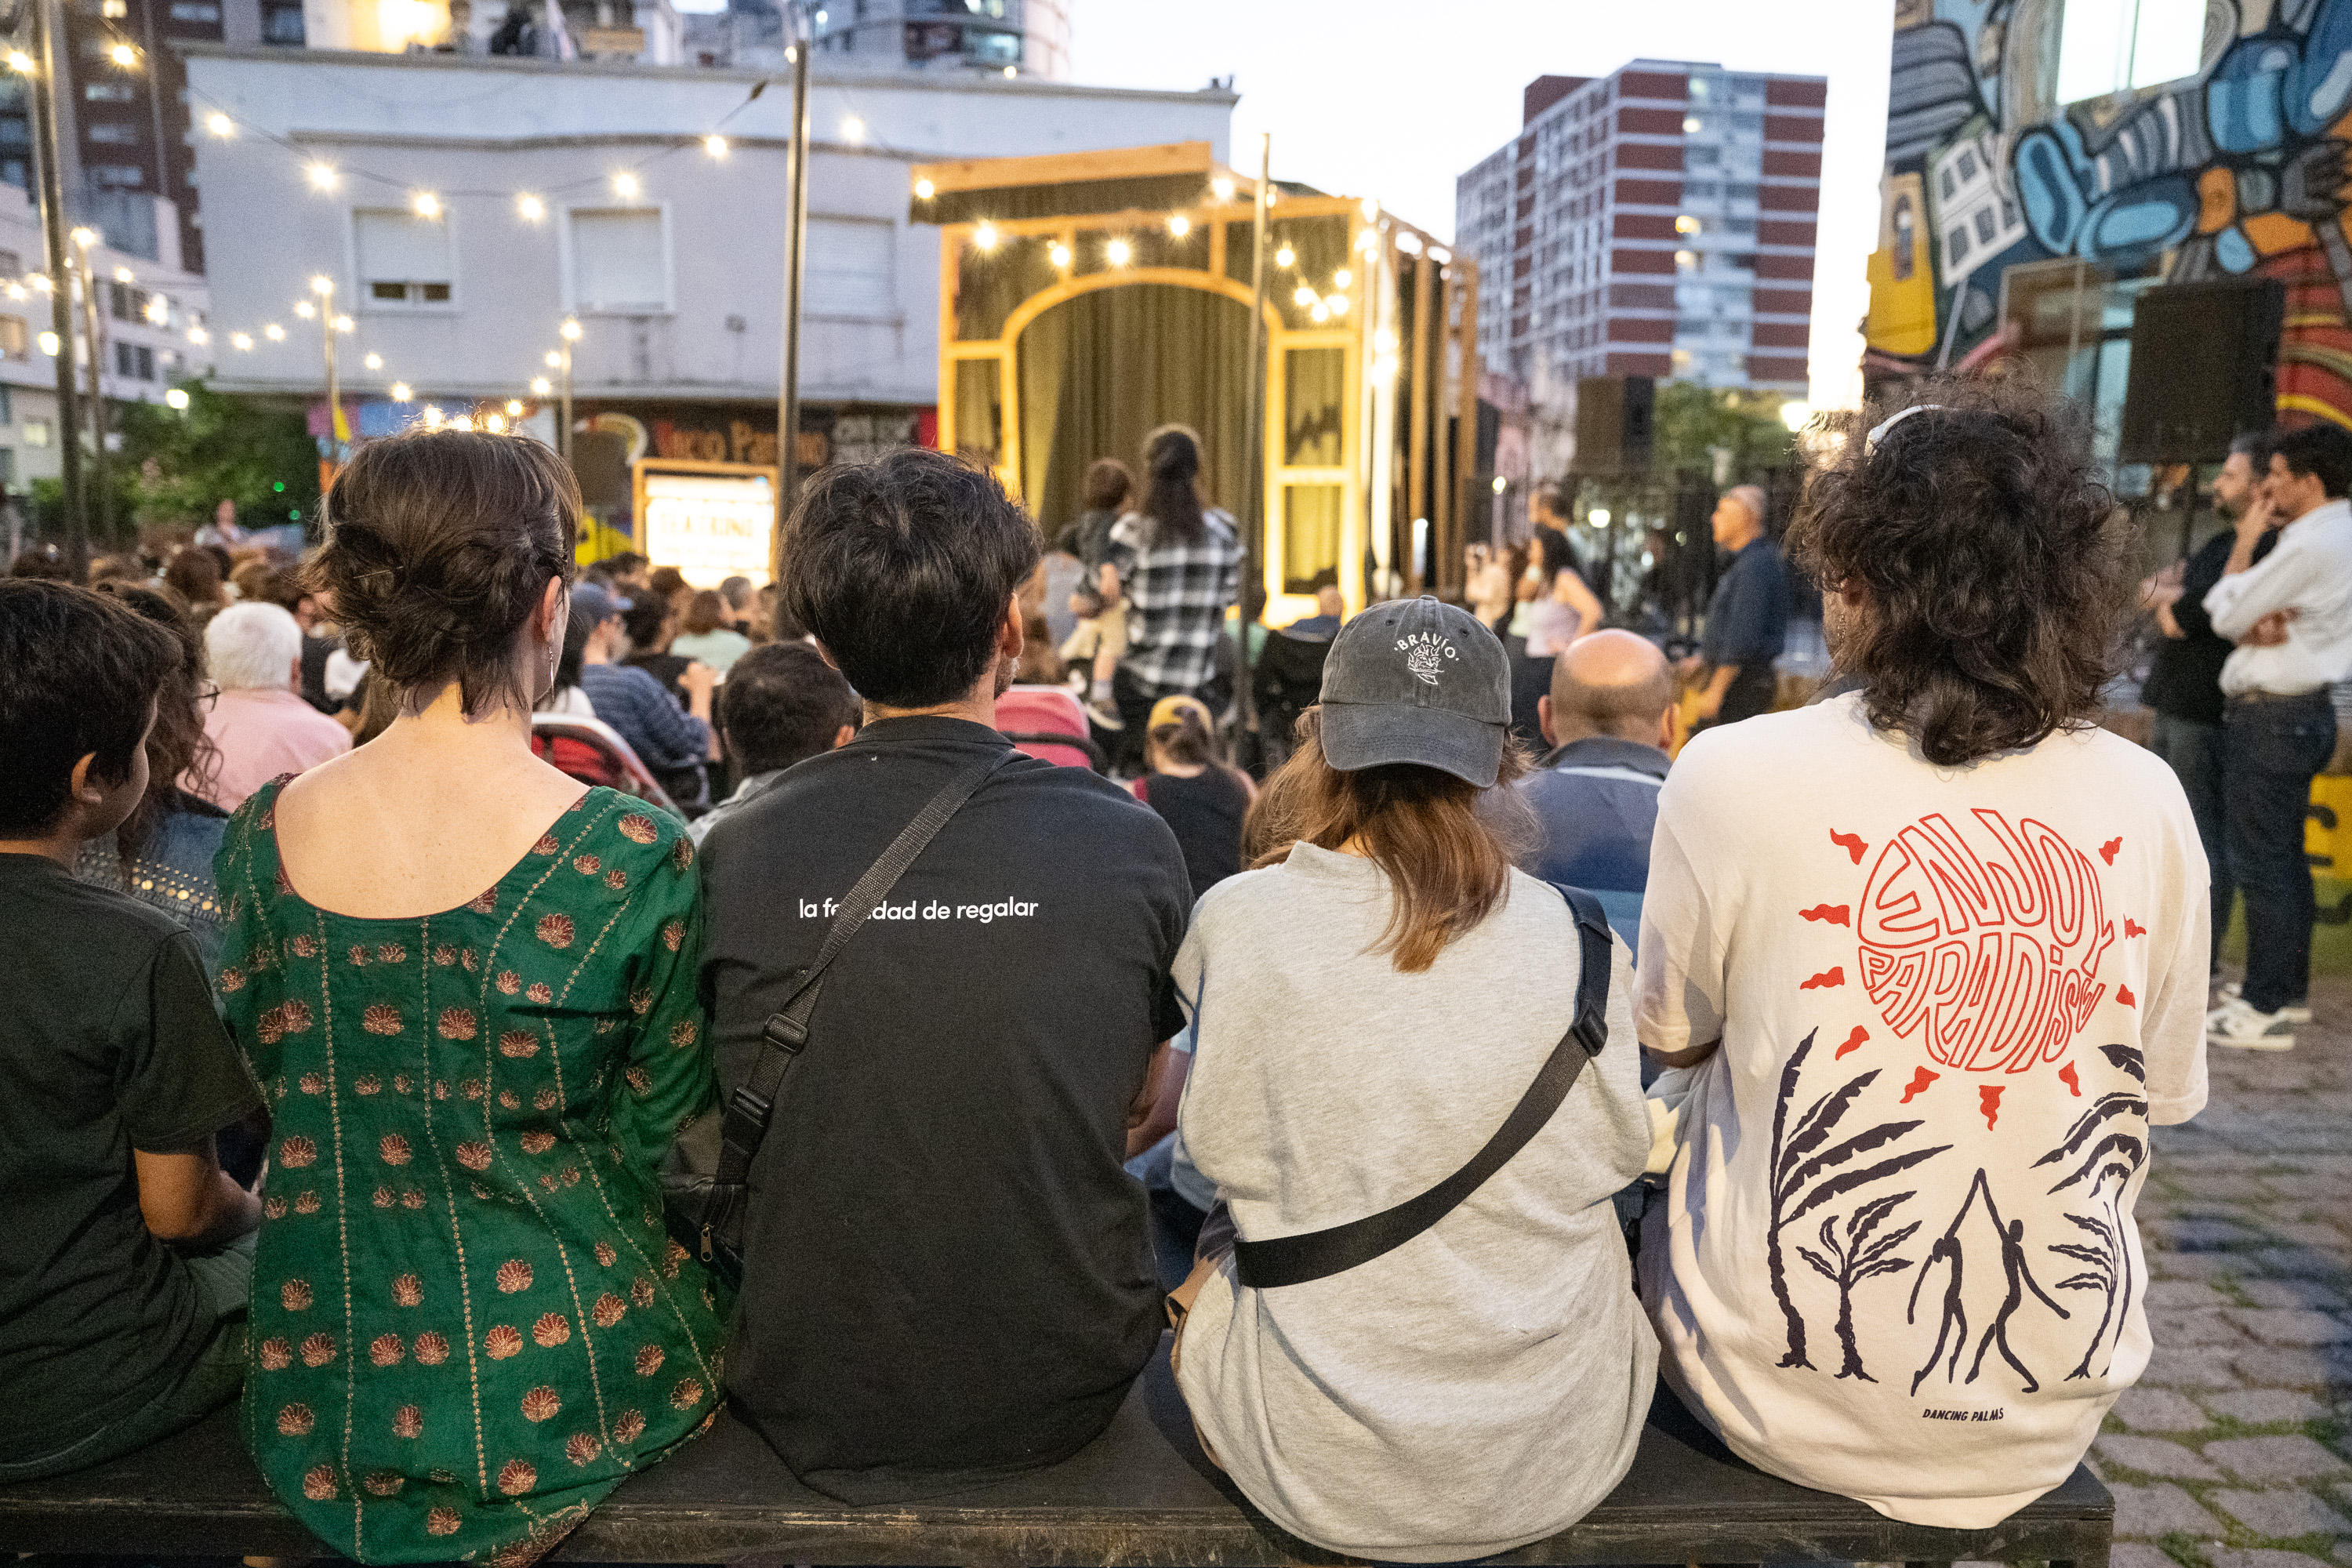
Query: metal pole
[[94, 333], [334, 387], [1253, 437], [46, 55], [563, 408], [788, 387]]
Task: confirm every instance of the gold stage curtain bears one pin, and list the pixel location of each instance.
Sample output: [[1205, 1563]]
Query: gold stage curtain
[[1100, 371]]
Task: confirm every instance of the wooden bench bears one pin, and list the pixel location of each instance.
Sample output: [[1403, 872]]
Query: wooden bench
[[1142, 1493]]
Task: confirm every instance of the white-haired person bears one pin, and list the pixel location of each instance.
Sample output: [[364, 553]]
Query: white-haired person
[[254, 713]]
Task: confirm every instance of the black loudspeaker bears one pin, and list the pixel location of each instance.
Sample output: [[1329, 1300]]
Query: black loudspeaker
[[599, 459], [1613, 424], [2204, 368]]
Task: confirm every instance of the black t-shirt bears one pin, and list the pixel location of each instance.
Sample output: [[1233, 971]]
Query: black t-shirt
[[108, 1043], [947, 1278], [1205, 813], [2184, 677]]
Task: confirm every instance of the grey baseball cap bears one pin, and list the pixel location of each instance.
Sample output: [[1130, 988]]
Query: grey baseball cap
[[1414, 680], [596, 604]]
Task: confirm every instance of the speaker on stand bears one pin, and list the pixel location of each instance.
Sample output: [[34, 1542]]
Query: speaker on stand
[[2204, 369]]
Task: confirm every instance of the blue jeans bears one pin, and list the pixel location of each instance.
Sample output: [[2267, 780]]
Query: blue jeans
[[2194, 753], [2276, 747], [1175, 1223]]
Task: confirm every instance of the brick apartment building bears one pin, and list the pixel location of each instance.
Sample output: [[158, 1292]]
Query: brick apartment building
[[1658, 221]]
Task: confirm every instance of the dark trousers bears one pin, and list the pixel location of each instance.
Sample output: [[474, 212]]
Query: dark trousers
[[2274, 749], [2194, 751]]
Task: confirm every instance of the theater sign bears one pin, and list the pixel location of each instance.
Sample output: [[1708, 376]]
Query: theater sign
[[711, 520]]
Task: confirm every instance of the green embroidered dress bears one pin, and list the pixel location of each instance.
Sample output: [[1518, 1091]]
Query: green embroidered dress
[[468, 1323]]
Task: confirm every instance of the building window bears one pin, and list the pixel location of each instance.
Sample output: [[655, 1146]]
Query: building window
[[36, 432], [117, 176], [403, 258], [16, 342], [195, 11], [853, 266], [113, 135], [620, 260], [282, 25], [134, 361], [108, 93]]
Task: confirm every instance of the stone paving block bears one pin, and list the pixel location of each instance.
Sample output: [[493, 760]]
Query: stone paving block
[[2259, 1406], [2309, 1231], [2284, 1293], [2193, 1295], [2160, 1509], [2282, 1512], [2225, 1557], [2264, 1459], [2198, 1234], [2134, 1554], [2155, 1456], [2201, 1367], [2275, 1325], [2297, 1262], [2309, 1366], [2166, 1265], [2158, 1410], [2221, 1327]]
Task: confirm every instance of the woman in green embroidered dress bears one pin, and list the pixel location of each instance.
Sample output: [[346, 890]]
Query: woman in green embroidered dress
[[467, 988]]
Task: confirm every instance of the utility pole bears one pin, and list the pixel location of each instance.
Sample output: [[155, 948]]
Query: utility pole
[[94, 322], [563, 412], [787, 391], [1254, 438], [324, 288], [41, 68]]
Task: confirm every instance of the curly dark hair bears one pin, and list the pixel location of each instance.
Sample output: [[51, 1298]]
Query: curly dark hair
[[178, 747], [1992, 562], [439, 545]]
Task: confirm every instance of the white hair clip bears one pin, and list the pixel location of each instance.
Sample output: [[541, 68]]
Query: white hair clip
[[1870, 442]]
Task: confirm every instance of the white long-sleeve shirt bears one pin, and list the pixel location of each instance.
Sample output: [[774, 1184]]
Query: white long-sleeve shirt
[[2310, 572]]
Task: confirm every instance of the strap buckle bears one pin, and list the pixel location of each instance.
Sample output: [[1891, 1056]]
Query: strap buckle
[[1591, 1032], [784, 1032], [747, 1120]]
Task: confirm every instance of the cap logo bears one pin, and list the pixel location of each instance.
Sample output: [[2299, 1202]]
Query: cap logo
[[1425, 654]]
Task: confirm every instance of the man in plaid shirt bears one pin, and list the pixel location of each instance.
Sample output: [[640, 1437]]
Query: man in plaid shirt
[[1178, 593]]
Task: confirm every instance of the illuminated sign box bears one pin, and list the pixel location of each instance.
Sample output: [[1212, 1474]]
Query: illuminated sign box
[[711, 520]]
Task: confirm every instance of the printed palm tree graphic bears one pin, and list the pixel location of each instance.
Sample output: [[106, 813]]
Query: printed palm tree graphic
[[1859, 1257], [1802, 1162], [2015, 1275], [2116, 1156]]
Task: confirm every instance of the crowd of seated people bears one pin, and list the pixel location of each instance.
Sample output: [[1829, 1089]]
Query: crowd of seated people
[[458, 1303]]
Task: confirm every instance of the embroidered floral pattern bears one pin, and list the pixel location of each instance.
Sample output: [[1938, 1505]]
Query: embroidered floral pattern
[[538, 1143], [629, 1427], [540, 1403], [317, 1350], [609, 1310], [503, 1342], [551, 1330], [581, 1446], [514, 1275], [385, 1349], [518, 1044], [276, 1354], [638, 828], [381, 1018], [408, 1421], [517, 1477], [407, 1291], [431, 1348], [457, 1023], [296, 1420], [556, 931], [296, 1152], [393, 1148]]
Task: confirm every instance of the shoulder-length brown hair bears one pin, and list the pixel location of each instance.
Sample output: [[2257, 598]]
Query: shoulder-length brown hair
[[1992, 562], [1447, 846]]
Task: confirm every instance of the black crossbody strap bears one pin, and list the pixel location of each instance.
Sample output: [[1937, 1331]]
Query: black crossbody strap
[[1295, 1260], [786, 1030]]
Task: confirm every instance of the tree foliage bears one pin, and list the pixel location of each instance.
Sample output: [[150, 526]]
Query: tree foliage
[[1692, 420], [176, 465]]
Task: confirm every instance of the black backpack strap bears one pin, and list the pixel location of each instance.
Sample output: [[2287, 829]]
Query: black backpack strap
[[1295, 1260], [786, 1030]]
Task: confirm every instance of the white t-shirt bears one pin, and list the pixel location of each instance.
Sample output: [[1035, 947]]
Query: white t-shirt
[[1897, 1258], [1483, 1385], [2310, 572]]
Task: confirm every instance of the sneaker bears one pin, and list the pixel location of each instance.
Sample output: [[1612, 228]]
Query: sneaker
[[2228, 991], [2239, 1023], [1105, 716]]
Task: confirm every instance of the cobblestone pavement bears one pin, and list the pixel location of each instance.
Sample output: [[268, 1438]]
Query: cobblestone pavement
[[2230, 1454]]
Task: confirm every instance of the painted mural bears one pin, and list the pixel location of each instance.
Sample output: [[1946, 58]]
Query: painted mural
[[2237, 171]]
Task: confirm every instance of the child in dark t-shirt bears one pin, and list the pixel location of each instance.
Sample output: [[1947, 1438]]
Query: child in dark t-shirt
[[127, 1261], [1201, 798]]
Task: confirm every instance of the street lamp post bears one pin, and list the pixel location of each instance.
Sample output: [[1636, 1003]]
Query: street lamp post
[[40, 70], [788, 393], [94, 335], [570, 336], [324, 288]]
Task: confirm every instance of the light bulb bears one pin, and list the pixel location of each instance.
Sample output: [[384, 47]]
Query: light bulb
[[124, 275], [553, 358], [514, 407], [18, 61], [426, 204], [540, 386], [714, 145], [49, 344], [374, 361], [1285, 257], [123, 54], [625, 186], [852, 128], [400, 391], [176, 398], [1178, 225], [321, 284], [984, 237], [304, 309], [432, 417], [530, 208], [242, 341], [1222, 189], [1337, 304], [1342, 277], [85, 238], [198, 336], [220, 125], [925, 190], [274, 332], [342, 324], [570, 330], [1319, 314], [1012, 71], [494, 423], [158, 310], [1303, 296], [1060, 254], [322, 176], [1118, 251]]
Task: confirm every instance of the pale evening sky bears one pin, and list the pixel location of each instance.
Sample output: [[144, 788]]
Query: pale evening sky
[[1392, 98]]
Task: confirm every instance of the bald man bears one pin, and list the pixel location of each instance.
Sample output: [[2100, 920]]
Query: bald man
[[1595, 793], [1748, 616]]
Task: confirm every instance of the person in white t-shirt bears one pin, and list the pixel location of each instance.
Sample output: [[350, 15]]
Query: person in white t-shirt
[[1365, 1013], [1926, 1019]]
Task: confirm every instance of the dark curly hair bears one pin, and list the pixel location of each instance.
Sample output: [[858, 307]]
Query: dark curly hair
[[178, 746], [1992, 560], [439, 543]]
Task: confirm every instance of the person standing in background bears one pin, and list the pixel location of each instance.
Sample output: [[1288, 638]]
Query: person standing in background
[[1747, 619], [2291, 617], [1178, 562], [257, 719], [2184, 679], [708, 635]]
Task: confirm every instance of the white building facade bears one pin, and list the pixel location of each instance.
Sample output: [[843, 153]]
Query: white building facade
[[463, 207]]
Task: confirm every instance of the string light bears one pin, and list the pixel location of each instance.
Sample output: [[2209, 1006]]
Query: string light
[[123, 54], [220, 125], [1337, 304], [625, 186], [1304, 297], [570, 330], [1285, 257], [514, 407], [49, 344], [530, 208], [374, 361], [322, 176], [241, 342], [716, 145], [1012, 71], [176, 398], [1118, 252], [852, 128], [274, 332], [495, 423], [540, 386], [198, 336], [304, 309], [1222, 189], [984, 237], [1319, 314], [432, 417], [925, 190], [554, 360], [342, 324], [1060, 254], [1342, 277], [426, 204], [1178, 225], [18, 61], [124, 275], [400, 393], [321, 285]]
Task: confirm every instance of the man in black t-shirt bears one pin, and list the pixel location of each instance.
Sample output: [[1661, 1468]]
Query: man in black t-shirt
[[125, 1263], [2184, 677], [946, 1279]]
